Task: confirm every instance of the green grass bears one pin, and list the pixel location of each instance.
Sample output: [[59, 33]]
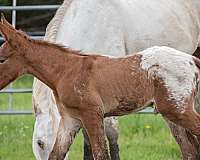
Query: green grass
[[16, 137], [142, 137]]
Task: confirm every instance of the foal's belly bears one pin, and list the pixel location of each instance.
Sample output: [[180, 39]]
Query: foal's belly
[[124, 106]]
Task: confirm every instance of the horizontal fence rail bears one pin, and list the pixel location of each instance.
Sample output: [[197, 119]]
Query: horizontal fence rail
[[28, 112], [12, 91], [28, 90], [26, 8], [34, 37]]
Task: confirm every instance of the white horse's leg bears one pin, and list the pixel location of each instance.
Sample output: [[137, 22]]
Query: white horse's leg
[[112, 133], [67, 131]]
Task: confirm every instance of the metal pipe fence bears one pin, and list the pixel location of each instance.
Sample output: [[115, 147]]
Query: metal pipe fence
[[10, 90]]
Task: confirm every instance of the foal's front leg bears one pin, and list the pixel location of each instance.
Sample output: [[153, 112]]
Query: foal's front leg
[[93, 122], [87, 147], [112, 134]]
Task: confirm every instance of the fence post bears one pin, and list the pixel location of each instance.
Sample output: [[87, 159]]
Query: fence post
[[10, 100]]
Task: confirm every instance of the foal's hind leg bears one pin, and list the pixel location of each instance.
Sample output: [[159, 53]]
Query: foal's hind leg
[[182, 113], [176, 107], [187, 142], [188, 119]]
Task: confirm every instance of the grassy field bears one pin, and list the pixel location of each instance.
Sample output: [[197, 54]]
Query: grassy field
[[142, 137], [20, 101]]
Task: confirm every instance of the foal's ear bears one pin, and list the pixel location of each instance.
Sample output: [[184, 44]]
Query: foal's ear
[[5, 22], [6, 29]]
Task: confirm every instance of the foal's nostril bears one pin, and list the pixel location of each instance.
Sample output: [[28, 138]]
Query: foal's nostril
[[40, 144]]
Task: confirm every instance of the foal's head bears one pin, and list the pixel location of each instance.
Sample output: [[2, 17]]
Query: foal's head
[[12, 52]]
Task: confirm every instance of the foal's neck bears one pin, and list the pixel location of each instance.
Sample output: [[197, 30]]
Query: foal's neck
[[48, 62]]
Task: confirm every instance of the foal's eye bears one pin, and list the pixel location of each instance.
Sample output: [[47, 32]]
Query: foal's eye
[[2, 61]]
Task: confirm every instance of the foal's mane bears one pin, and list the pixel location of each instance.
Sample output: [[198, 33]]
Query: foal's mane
[[57, 46]]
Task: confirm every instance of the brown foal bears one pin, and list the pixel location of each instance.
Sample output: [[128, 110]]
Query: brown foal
[[91, 87]]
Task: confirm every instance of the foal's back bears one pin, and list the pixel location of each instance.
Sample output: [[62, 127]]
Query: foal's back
[[134, 81]]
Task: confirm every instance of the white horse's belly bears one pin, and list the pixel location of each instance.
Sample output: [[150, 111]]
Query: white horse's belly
[[160, 22], [134, 24]]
